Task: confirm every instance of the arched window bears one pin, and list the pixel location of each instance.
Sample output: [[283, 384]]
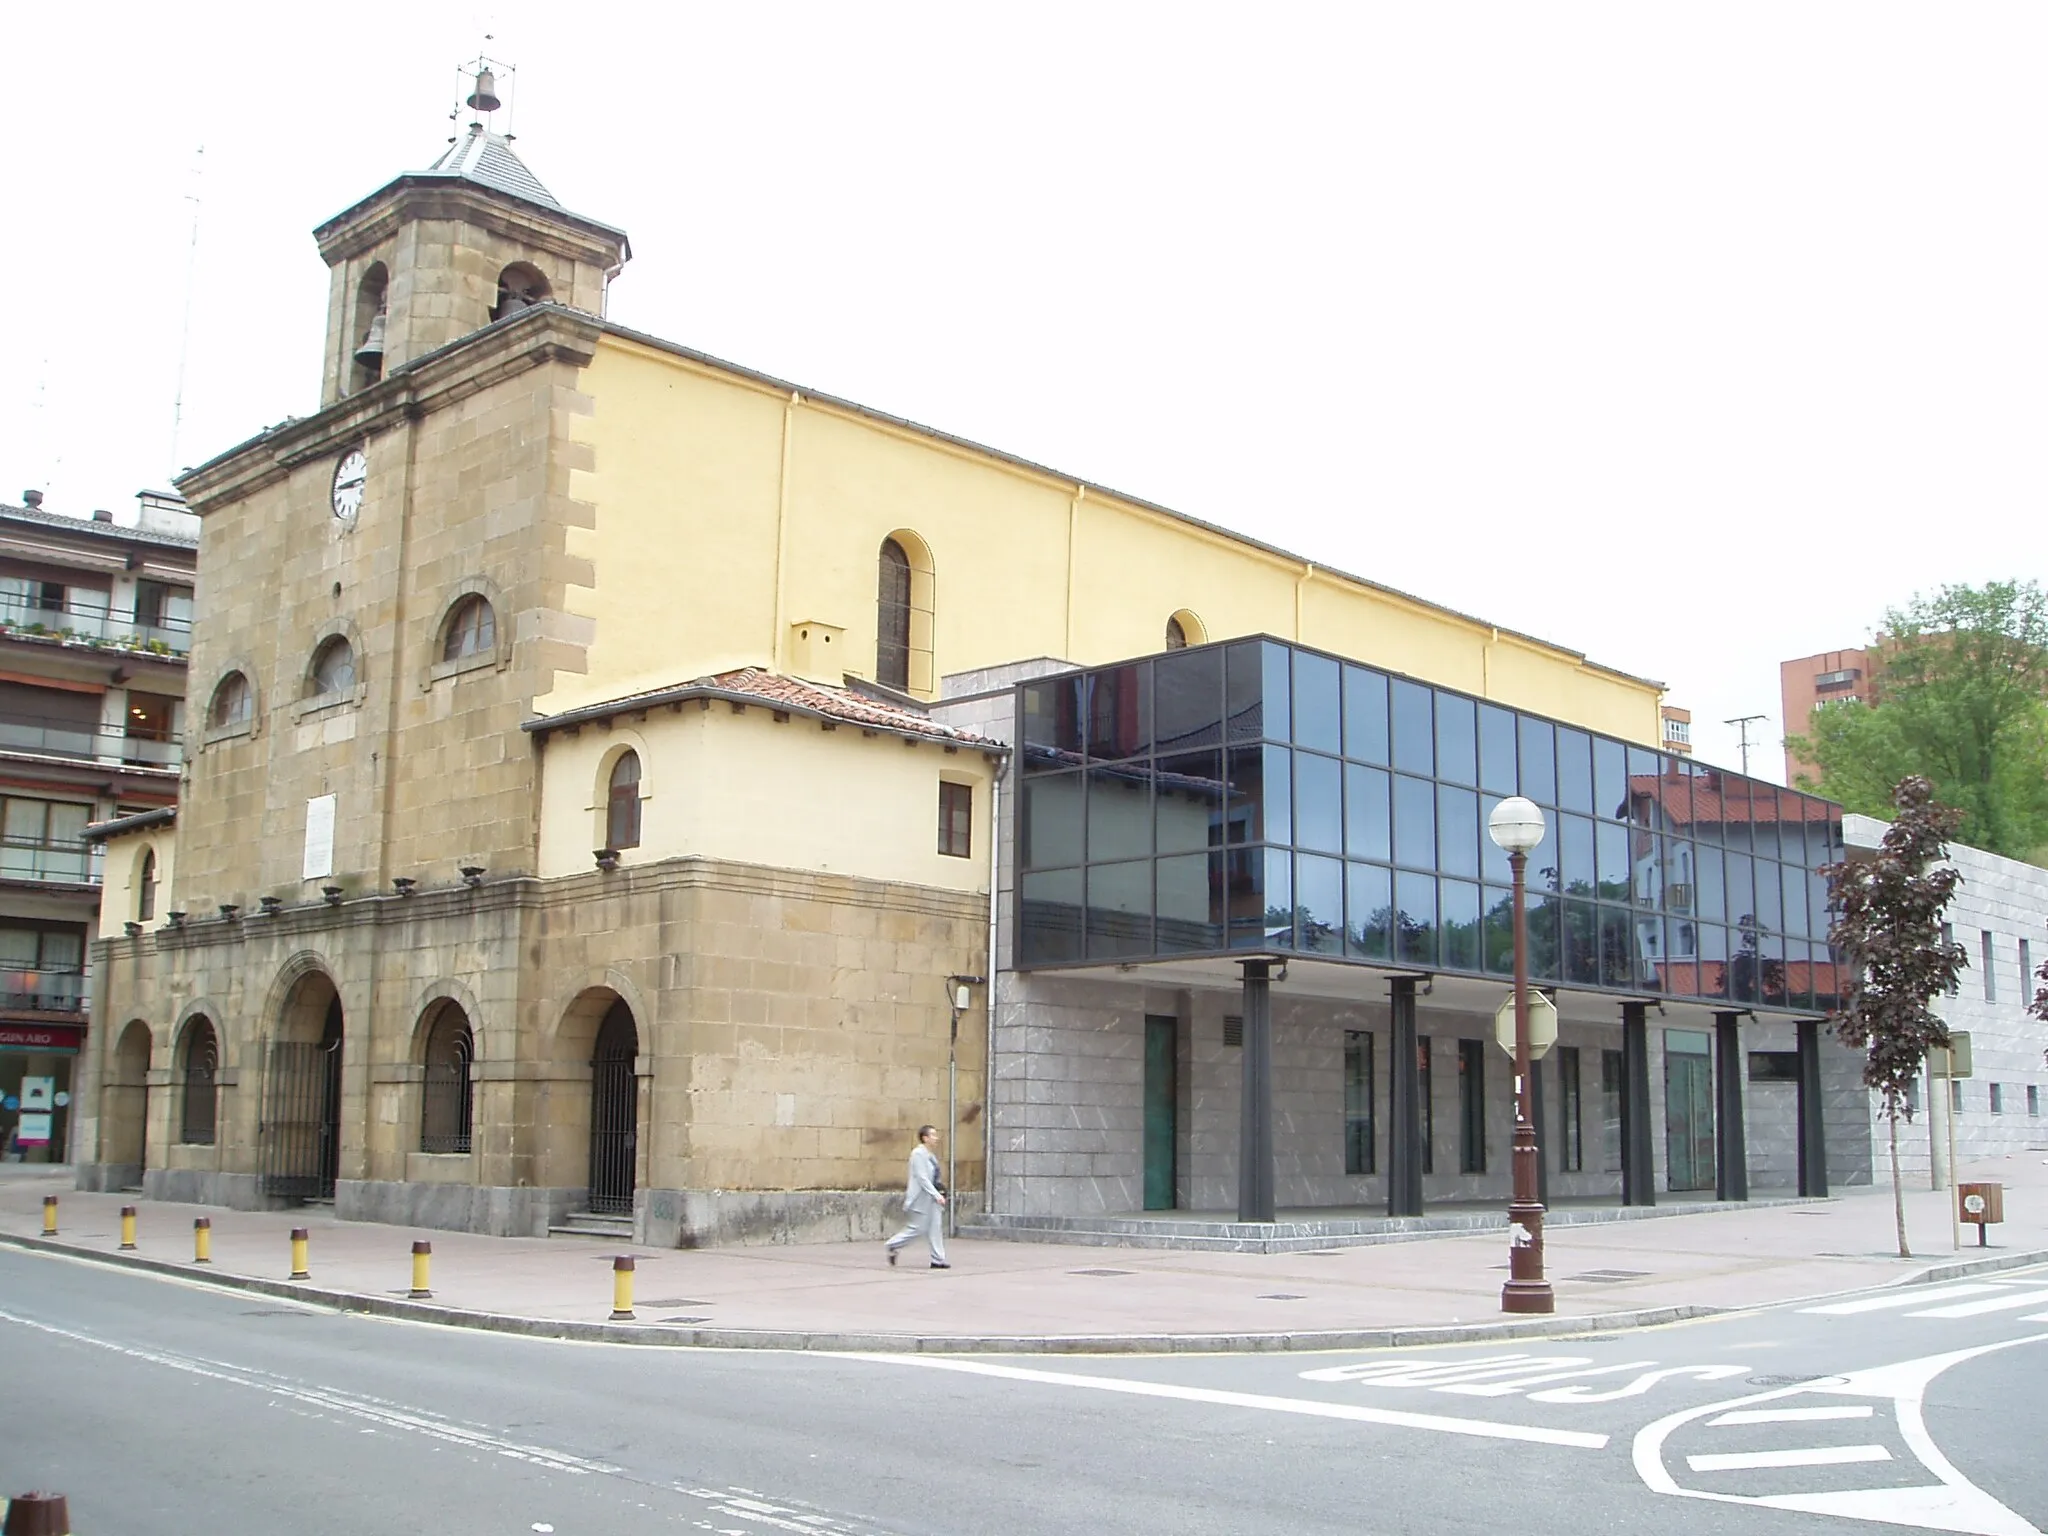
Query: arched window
[[1176, 635], [892, 618], [472, 630], [366, 356], [520, 286], [334, 668], [1183, 629], [622, 803], [232, 703], [445, 1112], [197, 1112], [145, 887]]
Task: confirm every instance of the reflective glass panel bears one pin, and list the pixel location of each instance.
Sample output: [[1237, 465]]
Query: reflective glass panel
[[1244, 702], [1713, 947], [1052, 821], [1277, 929], [1415, 925], [1791, 829], [1711, 897], [1645, 770], [1119, 813], [1245, 874], [1704, 818], [1616, 873], [1120, 711], [1735, 812], [1493, 859], [1496, 750], [1459, 922], [1545, 961], [1187, 699], [1792, 881], [1260, 785], [1319, 905], [1318, 802], [1574, 770], [1052, 722], [1798, 974], [1610, 779], [1575, 845], [1365, 715], [1370, 911], [1457, 831], [1741, 889], [1187, 801], [1581, 942], [1819, 916], [1414, 728], [1500, 932], [1316, 722], [1457, 739], [1539, 760], [1681, 891], [1368, 823], [1050, 918], [1617, 948], [1414, 822], [1190, 903], [1119, 909], [1770, 912]]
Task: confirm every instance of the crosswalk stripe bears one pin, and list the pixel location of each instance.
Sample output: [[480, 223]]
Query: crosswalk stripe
[[1812, 1456], [1789, 1415], [1978, 1308], [1913, 1298]]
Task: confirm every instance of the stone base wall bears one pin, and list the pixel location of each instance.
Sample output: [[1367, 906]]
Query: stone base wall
[[713, 1218], [496, 1211], [194, 1186], [108, 1178]]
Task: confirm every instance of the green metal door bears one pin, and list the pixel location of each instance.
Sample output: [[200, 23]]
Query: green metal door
[[1688, 1109], [1161, 1037]]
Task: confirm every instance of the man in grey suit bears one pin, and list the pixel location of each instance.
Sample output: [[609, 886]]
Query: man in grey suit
[[924, 1200]]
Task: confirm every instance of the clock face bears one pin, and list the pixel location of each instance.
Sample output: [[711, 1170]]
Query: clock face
[[348, 482]]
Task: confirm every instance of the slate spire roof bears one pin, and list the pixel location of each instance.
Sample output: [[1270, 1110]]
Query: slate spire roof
[[487, 159]]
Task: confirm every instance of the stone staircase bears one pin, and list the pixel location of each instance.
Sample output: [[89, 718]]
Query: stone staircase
[[590, 1224]]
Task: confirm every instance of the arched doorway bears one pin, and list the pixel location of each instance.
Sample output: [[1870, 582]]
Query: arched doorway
[[127, 1105], [614, 1113], [300, 1134]]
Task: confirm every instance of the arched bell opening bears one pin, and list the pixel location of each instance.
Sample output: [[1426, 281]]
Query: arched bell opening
[[366, 342]]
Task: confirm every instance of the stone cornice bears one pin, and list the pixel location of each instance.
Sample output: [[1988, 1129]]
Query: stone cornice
[[426, 195], [533, 338]]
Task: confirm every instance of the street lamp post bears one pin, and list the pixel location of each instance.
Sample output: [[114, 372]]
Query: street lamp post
[[1516, 826]]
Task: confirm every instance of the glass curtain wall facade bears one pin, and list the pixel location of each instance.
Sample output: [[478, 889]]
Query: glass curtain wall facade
[[1258, 795]]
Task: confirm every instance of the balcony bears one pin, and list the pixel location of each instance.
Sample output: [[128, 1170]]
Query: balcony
[[97, 625], [65, 738], [43, 991], [55, 861]]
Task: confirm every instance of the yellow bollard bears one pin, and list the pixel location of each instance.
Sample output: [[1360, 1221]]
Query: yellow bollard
[[420, 1253], [299, 1271], [49, 1215], [622, 1288], [127, 1229], [202, 1239]]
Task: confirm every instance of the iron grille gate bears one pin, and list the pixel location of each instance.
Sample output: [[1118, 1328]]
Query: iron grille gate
[[301, 1130], [614, 1105]]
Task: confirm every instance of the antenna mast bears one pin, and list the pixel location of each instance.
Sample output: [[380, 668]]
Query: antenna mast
[[1742, 723]]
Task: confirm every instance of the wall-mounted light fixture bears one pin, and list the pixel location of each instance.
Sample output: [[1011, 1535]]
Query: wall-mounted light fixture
[[403, 884], [333, 893], [228, 909], [607, 859], [960, 993], [472, 875], [270, 906], [132, 929], [177, 919]]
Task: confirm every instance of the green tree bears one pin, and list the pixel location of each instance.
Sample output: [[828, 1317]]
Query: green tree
[[1962, 700], [1888, 927]]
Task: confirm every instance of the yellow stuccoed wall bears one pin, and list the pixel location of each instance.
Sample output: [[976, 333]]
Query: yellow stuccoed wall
[[725, 512], [789, 794]]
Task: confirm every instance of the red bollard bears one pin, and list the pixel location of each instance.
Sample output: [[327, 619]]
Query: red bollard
[[37, 1514]]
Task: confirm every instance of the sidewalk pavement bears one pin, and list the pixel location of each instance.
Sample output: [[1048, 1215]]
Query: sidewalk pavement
[[1014, 1297]]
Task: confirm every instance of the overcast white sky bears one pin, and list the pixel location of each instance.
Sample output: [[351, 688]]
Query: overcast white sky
[[1686, 336]]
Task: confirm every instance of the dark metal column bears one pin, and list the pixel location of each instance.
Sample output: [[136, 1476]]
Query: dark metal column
[[1813, 1146], [1255, 1110], [1404, 1105], [1638, 1161], [1731, 1149], [1542, 1136]]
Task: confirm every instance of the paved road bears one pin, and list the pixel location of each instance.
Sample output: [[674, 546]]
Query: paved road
[[158, 1406]]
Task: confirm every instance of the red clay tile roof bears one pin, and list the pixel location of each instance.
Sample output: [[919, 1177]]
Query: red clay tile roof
[[751, 685], [1689, 799]]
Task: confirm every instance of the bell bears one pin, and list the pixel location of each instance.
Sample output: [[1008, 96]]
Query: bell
[[371, 352], [485, 97]]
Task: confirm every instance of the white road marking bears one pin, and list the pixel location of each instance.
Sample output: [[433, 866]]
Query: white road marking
[[1892, 1299], [1812, 1456], [1440, 1424], [1789, 1415], [1954, 1504], [1640, 1385], [2006, 1303]]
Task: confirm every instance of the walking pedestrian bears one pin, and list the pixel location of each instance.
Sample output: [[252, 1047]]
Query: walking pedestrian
[[924, 1200]]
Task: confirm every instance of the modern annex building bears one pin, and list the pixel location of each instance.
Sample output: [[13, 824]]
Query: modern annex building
[[626, 785]]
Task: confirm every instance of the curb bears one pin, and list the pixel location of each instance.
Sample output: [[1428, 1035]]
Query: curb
[[665, 1336]]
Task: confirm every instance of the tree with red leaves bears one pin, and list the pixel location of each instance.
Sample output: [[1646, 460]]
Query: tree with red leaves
[[1888, 928]]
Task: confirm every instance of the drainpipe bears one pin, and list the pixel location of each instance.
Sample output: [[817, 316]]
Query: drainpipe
[[1308, 574], [1073, 535], [995, 979], [780, 620]]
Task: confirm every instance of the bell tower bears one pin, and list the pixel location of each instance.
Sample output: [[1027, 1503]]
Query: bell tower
[[439, 253]]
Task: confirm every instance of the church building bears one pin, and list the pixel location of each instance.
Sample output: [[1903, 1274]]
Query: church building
[[624, 792]]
